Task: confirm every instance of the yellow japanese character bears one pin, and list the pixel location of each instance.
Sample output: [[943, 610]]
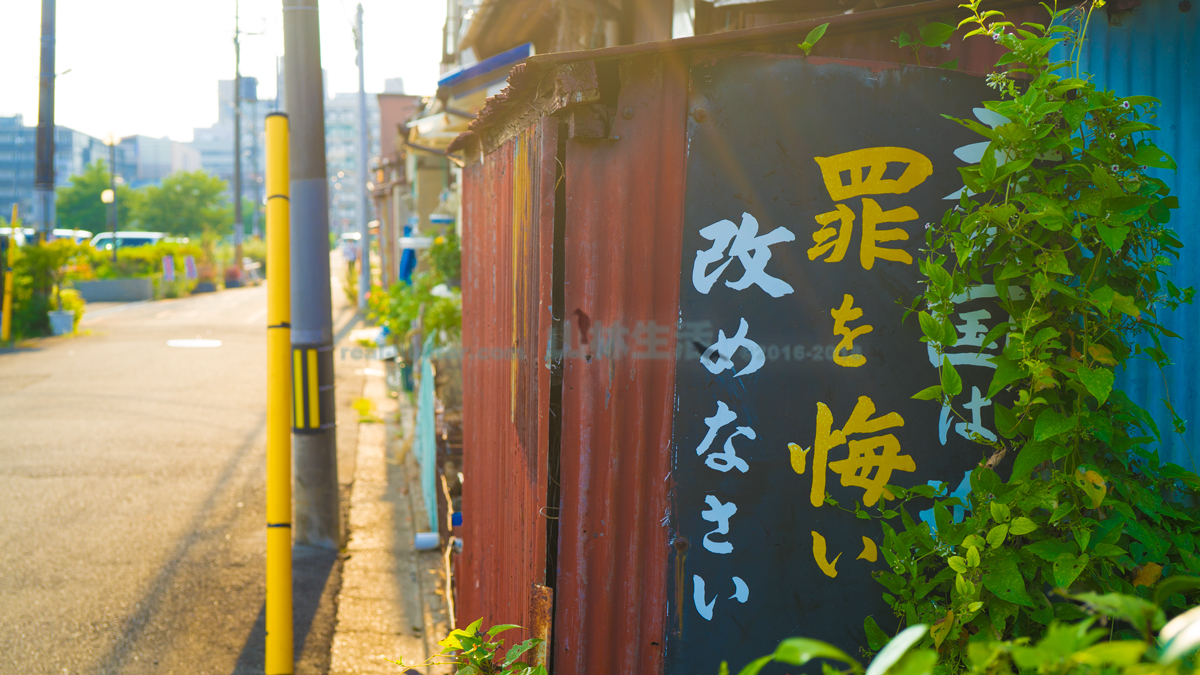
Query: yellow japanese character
[[841, 316], [860, 173], [865, 168], [863, 468], [822, 235], [872, 216], [829, 568]]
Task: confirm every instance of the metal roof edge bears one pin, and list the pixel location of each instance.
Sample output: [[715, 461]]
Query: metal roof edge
[[496, 62], [530, 71]]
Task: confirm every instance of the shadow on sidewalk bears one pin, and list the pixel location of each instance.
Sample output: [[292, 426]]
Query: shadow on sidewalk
[[312, 569]]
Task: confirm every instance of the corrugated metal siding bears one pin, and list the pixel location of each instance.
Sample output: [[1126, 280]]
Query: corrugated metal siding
[[624, 226], [509, 208], [1154, 52]]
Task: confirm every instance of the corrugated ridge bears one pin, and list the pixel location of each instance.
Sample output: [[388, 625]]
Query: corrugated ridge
[[624, 229], [1154, 52]]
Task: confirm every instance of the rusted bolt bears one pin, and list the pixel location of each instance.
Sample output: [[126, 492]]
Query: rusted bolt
[[1185, 6], [681, 544], [700, 114], [627, 113]]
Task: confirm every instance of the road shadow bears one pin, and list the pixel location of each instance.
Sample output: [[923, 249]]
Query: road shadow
[[312, 569]]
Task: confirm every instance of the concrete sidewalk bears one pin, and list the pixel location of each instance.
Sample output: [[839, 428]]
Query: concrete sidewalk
[[392, 600]]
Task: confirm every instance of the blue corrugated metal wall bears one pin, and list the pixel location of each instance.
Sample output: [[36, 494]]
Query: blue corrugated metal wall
[[1154, 52]]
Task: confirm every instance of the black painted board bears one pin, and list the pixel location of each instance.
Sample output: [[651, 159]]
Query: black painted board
[[757, 128]]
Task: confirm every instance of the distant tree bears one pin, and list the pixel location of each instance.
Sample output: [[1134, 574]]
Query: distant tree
[[188, 204], [79, 206]]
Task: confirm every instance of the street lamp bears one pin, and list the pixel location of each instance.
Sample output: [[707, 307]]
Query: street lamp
[[109, 196]]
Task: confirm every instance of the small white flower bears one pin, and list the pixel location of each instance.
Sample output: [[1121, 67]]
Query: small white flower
[[1114, 168], [1112, 135], [1125, 105]]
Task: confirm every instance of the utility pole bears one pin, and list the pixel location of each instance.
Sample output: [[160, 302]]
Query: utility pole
[[238, 229], [43, 182], [112, 189], [364, 229], [315, 448], [256, 175]]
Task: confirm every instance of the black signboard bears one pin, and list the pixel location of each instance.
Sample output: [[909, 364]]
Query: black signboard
[[809, 187]]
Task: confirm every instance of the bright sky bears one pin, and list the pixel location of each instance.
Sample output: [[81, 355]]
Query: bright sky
[[151, 66]]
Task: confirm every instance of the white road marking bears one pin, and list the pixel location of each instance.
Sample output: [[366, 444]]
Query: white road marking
[[197, 343]]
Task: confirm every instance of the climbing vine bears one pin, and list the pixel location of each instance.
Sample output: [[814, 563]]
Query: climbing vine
[[1061, 218]]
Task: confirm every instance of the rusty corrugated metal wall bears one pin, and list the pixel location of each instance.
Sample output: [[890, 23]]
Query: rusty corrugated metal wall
[[509, 202], [624, 222]]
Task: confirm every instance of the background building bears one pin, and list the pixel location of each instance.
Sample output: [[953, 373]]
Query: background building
[[341, 157], [142, 160], [214, 144], [73, 151]]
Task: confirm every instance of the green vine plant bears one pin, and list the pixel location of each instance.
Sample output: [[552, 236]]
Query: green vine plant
[[472, 652], [1078, 648], [1062, 218], [934, 35]]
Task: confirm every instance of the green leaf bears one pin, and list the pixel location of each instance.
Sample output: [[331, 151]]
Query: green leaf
[[1061, 511], [1051, 423], [916, 662], [997, 535], [950, 65], [987, 165], [1002, 576], [1140, 613], [1117, 652], [1125, 305], [951, 382], [896, 649], [1050, 549], [1181, 636], [799, 651], [930, 327], [1000, 512], [1113, 235], [1153, 156], [972, 556], [500, 628], [1102, 298], [876, 638], [1022, 525], [958, 564], [1067, 568], [935, 34], [1172, 585], [1007, 372], [517, 650], [815, 34], [1099, 382], [1033, 454], [756, 665], [933, 393]]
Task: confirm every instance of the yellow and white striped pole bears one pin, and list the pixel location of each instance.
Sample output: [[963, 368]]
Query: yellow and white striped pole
[[6, 309], [279, 402]]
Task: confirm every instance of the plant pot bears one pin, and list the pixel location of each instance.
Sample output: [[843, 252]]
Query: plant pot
[[204, 287], [62, 323]]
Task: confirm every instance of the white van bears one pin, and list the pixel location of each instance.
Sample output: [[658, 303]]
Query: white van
[[104, 240]]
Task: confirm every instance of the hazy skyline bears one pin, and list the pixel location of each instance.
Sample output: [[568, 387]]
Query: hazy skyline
[[151, 66]]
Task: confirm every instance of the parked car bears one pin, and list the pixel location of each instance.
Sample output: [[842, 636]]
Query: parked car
[[127, 239], [78, 236]]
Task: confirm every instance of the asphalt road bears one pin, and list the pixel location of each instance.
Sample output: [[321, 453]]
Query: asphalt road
[[132, 498]]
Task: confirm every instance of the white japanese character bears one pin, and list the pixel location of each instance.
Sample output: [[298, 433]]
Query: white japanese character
[[725, 347], [724, 461], [751, 250], [965, 429], [720, 514], [741, 593]]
